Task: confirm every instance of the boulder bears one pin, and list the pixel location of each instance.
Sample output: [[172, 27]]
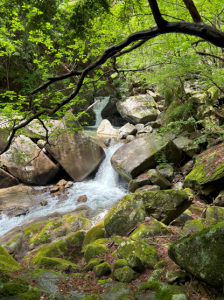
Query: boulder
[[106, 128], [143, 153], [187, 146], [139, 126], [140, 181], [138, 254], [19, 197], [127, 129], [28, 163], [158, 179], [201, 254], [125, 274], [138, 109], [5, 127], [165, 206], [74, 150], [7, 180], [102, 269], [146, 129], [36, 130], [130, 138], [208, 172], [155, 228], [147, 188], [219, 200], [7, 262], [186, 169], [110, 108], [156, 96], [176, 276], [167, 171]]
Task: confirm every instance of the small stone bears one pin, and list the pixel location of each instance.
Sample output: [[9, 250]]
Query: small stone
[[125, 274], [82, 198], [147, 129], [54, 189], [178, 186], [186, 169], [43, 203], [156, 275], [158, 179], [139, 126], [69, 184], [62, 182]]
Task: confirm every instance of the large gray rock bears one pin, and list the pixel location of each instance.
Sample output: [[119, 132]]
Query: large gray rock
[[28, 163], [110, 108], [202, 254], [138, 109], [165, 206], [75, 151], [7, 180], [134, 158], [187, 146], [36, 130], [19, 198]]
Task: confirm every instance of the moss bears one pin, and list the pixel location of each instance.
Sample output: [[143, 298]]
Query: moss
[[52, 250], [7, 262], [33, 229], [91, 297], [92, 263], [120, 263], [160, 264], [146, 253], [76, 237], [196, 225], [216, 213], [156, 275], [57, 263], [125, 274], [78, 275], [93, 250], [144, 230], [95, 233], [102, 269]]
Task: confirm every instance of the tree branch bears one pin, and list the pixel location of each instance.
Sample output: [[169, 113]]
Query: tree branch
[[193, 11], [209, 54], [160, 22]]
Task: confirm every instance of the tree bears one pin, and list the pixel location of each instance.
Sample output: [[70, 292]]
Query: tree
[[83, 15]]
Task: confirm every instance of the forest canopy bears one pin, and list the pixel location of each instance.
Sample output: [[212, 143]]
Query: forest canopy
[[51, 51]]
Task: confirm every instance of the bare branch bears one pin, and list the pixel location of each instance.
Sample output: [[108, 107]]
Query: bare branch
[[137, 45], [193, 11], [209, 54]]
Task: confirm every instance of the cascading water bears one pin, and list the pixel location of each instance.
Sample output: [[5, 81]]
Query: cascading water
[[97, 108], [102, 192]]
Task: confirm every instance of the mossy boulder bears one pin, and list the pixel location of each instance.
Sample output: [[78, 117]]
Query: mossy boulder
[[196, 225], [146, 253], [102, 269], [176, 276], [156, 275], [76, 238], [148, 188], [201, 254], [164, 206], [167, 205], [14, 245], [163, 291], [7, 262], [125, 274], [17, 289], [93, 251], [120, 263], [53, 250], [167, 171], [143, 153], [216, 213], [33, 229], [156, 229], [95, 233], [140, 181], [187, 146], [92, 263], [125, 214], [55, 263], [208, 172]]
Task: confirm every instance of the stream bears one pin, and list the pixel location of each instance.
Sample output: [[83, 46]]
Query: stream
[[102, 192]]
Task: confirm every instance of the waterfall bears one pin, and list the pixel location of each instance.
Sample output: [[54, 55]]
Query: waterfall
[[102, 192], [97, 108]]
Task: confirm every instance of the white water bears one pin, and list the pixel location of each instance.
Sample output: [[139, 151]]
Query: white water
[[98, 109], [102, 192]]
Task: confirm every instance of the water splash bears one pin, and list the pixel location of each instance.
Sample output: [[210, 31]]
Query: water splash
[[102, 192]]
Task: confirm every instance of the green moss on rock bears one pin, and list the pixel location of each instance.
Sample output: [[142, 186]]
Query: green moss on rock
[[92, 263], [125, 274], [196, 225], [95, 233], [102, 269], [146, 253], [7, 262], [76, 238], [56, 263], [144, 230], [94, 250]]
